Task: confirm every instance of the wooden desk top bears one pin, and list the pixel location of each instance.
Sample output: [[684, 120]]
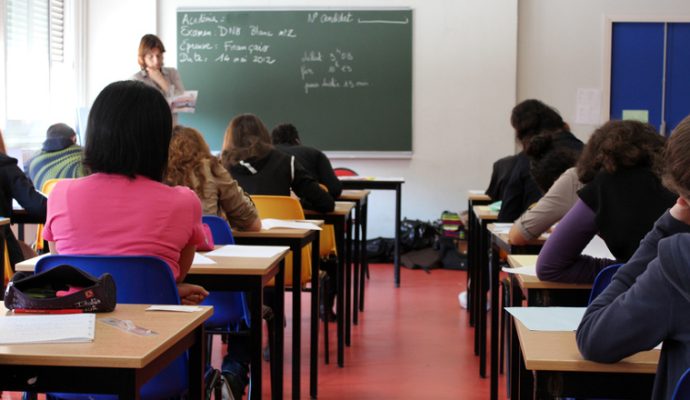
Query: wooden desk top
[[288, 233], [485, 213], [557, 351], [354, 195], [341, 208], [238, 265], [223, 266], [4, 221], [532, 282], [503, 237], [112, 347], [473, 196], [358, 178]]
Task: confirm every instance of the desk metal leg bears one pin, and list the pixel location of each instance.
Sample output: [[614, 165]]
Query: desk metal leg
[[314, 334], [296, 320], [256, 301], [197, 362], [396, 254], [365, 261], [278, 345], [357, 264], [340, 324], [348, 282], [483, 272], [494, 273]]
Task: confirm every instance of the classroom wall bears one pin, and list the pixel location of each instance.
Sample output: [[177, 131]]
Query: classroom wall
[[464, 80], [114, 31], [561, 47]]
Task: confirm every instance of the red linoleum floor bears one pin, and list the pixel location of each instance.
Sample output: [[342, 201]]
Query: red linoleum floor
[[413, 342]]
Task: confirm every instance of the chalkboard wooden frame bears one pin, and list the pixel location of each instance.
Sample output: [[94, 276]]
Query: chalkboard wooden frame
[[346, 84]]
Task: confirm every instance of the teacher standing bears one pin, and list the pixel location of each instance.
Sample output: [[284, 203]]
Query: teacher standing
[[153, 73]]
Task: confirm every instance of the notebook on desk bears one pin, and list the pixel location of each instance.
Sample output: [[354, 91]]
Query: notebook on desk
[[64, 328]]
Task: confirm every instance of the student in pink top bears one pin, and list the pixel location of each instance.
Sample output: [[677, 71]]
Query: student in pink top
[[122, 207]]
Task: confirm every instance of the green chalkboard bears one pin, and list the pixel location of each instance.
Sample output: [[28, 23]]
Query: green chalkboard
[[342, 77]]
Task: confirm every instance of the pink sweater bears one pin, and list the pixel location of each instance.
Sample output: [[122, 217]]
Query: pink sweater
[[112, 214]]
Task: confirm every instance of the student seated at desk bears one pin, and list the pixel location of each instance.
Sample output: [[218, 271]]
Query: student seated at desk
[[261, 169], [530, 118], [620, 201], [191, 164], [286, 139], [123, 208], [552, 169], [648, 299], [14, 184]]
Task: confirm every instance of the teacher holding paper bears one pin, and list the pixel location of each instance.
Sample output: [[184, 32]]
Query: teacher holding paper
[[166, 80]]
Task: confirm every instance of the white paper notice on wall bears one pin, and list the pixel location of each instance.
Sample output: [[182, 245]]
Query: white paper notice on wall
[[588, 107]]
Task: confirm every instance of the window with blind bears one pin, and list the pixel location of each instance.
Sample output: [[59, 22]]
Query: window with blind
[[40, 82]]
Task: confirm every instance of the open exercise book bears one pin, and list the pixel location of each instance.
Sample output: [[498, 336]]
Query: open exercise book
[[62, 328]]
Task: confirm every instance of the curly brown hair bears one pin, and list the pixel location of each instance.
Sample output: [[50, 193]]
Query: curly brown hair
[[621, 145], [188, 154], [246, 137], [676, 172]]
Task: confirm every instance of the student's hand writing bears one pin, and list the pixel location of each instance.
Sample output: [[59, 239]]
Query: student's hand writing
[[191, 294], [681, 210]]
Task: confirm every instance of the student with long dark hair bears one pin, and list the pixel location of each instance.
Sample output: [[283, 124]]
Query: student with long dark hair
[[123, 207]]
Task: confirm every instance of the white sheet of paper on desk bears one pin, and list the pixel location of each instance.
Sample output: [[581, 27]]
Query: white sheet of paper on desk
[[236, 250], [270, 223], [530, 270], [553, 319], [175, 308], [63, 328], [201, 260], [476, 191], [502, 227]]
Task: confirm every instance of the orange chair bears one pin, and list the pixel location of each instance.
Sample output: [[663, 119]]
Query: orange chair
[[285, 207], [46, 189]]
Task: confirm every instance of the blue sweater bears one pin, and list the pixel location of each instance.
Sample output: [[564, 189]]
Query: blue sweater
[[646, 303]]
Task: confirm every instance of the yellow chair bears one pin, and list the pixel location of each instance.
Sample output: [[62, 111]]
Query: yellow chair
[[46, 189], [285, 207]]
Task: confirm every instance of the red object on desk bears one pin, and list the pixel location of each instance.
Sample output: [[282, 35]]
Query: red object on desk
[[44, 311]]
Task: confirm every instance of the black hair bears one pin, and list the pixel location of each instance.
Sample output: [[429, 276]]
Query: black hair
[[129, 131], [548, 160], [285, 134], [533, 116]]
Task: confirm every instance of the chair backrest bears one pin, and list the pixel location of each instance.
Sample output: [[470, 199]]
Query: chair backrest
[[139, 279], [47, 187], [342, 171], [220, 229], [602, 280], [285, 207], [279, 207], [682, 390]]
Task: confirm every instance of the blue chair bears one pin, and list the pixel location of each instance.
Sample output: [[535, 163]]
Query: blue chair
[[139, 279], [229, 308], [602, 280], [220, 229], [682, 391]]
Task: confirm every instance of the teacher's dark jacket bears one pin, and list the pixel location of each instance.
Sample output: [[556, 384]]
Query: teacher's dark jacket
[[275, 174], [14, 184]]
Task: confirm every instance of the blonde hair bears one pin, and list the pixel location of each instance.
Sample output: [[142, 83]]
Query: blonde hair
[[188, 154]]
